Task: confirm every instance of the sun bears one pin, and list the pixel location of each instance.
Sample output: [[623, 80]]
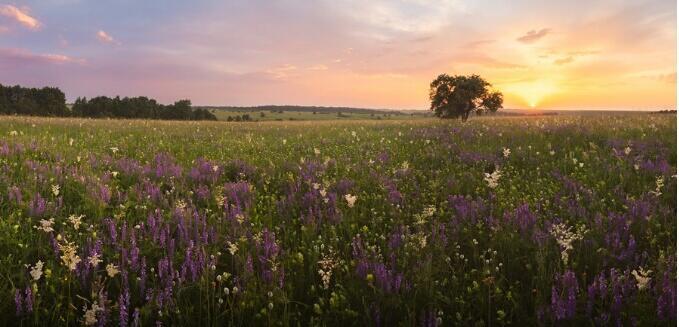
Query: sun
[[534, 92]]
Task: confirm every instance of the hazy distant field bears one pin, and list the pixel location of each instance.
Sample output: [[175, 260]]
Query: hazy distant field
[[566, 219], [297, 115]]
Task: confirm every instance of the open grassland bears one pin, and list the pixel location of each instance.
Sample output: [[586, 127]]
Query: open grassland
[[499, 220], [273, 115]]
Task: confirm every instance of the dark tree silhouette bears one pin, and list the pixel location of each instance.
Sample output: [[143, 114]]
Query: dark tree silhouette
[[458, 96]]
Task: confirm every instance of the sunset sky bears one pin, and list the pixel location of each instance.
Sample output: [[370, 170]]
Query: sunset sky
[[604, 54]]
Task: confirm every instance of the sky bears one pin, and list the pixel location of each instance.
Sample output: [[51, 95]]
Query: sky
[[604, 54]]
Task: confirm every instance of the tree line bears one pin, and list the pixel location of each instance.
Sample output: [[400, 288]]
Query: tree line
[[51, 101]]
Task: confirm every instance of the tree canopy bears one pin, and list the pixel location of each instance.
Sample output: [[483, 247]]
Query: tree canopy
[[50, 101], [458, 96]]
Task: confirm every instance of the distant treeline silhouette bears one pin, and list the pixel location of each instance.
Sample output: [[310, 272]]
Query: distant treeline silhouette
[[51, 101], [315, 109]]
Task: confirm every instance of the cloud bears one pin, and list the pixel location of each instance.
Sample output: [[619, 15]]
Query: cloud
[[318, 67], [564, 60], [19, 56], [485, 61], [106, 38], [21, 16], [533, 35], [281, 72]]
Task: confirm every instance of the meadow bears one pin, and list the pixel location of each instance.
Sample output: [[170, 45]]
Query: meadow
[[514, 220]]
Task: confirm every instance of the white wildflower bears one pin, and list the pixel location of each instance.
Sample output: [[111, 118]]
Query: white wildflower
[[36, 270], [180, 204], [111, 270], [114, 149], [659, 183], [232, 247], [628, 150], [328, 264], [643, 278], [506, 152], [493, 178], [565, 237], [69, 257], [55, 190], [76, 221], [351, 199], [94, 259], [45, 225], [90, 317]]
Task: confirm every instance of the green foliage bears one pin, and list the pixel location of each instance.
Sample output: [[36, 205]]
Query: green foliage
[[459, 96]]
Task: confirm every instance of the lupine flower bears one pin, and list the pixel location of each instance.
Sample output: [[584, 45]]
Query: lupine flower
[[564, 294]]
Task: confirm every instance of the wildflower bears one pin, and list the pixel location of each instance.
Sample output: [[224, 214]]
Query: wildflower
[[565, 237], [325, 272], [493, 178], [506, 152], [13, 133], [642, 277], [90, 317], [659, 183], [240, 218], [45, 225], [215, 168], [232, 247], [36, 271], [628, 150], [94, 259], [552, 152], [114, 149], [69, 257], [76, 221], [180, 204], [70, 141], [55, 190], [112, 270], [351, 199], [317, 151], [427, 212]]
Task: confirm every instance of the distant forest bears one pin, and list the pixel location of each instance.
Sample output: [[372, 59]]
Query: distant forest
[[274, 108], [51, 101]]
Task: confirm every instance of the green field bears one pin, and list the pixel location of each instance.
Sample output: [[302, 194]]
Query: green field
[[560, 220], [260, 115]]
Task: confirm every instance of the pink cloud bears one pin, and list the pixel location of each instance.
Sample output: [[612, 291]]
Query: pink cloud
[[20, 15], [533, 35], [104, 37], [25, 56]]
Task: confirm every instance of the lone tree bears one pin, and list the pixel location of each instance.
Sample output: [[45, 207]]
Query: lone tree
[[458, 96]]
